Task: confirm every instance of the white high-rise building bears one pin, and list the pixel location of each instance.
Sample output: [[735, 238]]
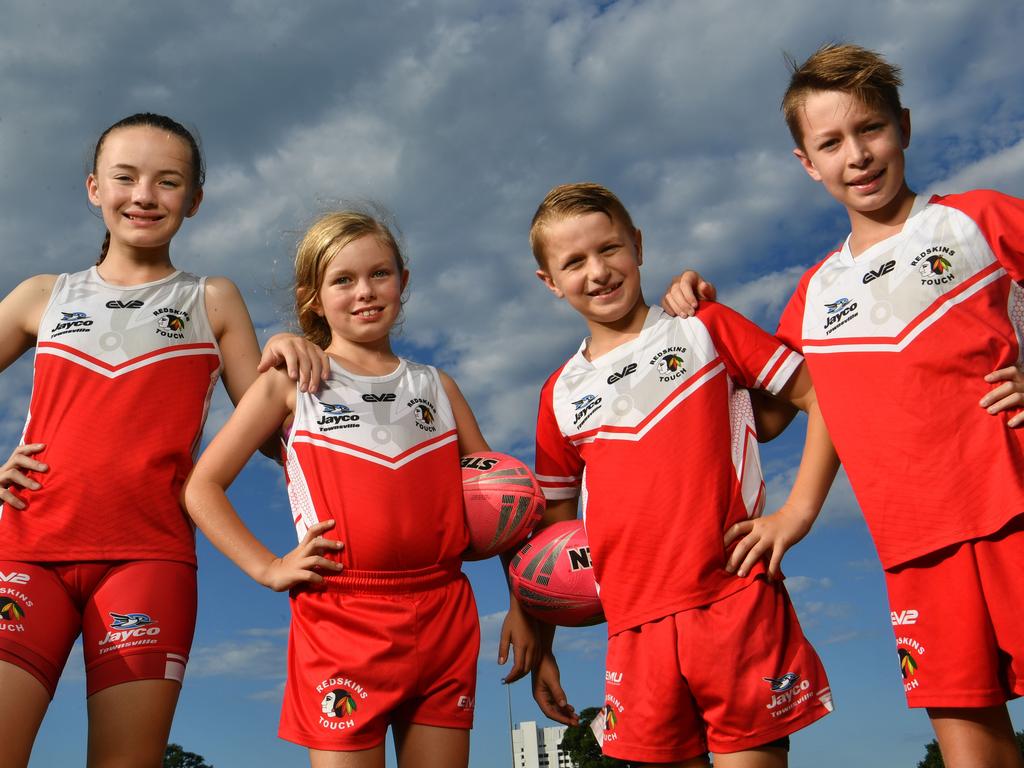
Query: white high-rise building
[[535, 747]]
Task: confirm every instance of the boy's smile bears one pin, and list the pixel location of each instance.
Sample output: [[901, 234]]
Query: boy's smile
[[856, 151], [593, 262]]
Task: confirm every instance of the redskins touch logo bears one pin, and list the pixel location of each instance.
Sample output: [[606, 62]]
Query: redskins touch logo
[[611, 719], [908, 664], [10, 610], [338, 703], [670, 364], [424, 414]]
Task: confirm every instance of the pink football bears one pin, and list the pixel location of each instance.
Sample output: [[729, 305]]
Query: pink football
[[553, 576], [504, 502]]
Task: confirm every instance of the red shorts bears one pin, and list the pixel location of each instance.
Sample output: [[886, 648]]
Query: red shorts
[[368, 648], [136, 619], [957, 617], [725, 677]]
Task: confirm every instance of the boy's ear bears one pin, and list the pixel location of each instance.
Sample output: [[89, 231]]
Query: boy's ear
[[805, 161], [638, 241], [905, 127], [546, 279]]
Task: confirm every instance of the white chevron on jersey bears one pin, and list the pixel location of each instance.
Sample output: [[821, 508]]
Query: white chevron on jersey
[[913, 280], [113, 371], [113, 330], [393, 462]]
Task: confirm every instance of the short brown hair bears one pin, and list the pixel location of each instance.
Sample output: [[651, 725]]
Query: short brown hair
[[844, 67], [567, 200]]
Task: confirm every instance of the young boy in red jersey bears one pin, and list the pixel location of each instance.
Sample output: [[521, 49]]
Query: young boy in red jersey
[[911, 331], [651, 425]]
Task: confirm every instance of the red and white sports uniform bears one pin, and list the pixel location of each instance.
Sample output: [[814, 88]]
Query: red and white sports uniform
[[379, 455], [660, 444], [122, 382], [898, 342], [658, 439]]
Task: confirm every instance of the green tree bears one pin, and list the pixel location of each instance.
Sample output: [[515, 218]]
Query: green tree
[[582, 747], [176, 757], [933, 757]]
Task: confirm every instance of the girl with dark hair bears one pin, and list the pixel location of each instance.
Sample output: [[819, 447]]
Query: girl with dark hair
[[114, 559]]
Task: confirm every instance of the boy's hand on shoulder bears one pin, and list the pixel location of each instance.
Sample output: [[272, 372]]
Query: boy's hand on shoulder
[[302, 564], [304, 361], [1007, 396], [771, 535], [685, 293], [520, 631], [548, 693], [12, 474]]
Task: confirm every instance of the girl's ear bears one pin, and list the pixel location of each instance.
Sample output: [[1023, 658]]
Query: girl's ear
[[196, 200], [302, 296], [405, 279], [92, 189]]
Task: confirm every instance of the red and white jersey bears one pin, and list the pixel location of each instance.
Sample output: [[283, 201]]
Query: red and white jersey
[[660, 445], [380, 455], [898, 341], [122, 383]]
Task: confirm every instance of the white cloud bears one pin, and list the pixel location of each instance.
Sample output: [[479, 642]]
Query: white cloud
[[254, 654]]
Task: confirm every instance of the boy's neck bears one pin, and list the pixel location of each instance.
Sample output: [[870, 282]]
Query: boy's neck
[[604, 337], [872, 227]]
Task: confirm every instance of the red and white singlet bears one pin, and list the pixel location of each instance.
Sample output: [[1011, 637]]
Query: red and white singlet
[[122, 383], [898, 341], [661, 446], [380, 455]]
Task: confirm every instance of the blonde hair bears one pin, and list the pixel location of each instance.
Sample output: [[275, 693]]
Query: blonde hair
[[567, 200], [322, 241], [863, 74]]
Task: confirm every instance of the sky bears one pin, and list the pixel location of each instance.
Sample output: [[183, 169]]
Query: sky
[[459, 116]]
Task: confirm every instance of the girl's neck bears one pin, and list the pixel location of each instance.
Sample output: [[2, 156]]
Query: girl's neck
[[374, 359], [132, 266]]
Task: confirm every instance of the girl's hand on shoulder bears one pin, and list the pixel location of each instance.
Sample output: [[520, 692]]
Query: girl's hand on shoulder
[[520, 631], [13, 473], [685, 293], [303, 564], [1009, 395], [304, 361]]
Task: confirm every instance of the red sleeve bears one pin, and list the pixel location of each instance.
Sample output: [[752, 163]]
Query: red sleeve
[[753, 358], [1000, 219], [559, 466]]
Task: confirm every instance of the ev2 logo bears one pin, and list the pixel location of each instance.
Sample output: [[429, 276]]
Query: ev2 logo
[[874, 274], [387, 397], [631, 368], [899, 618], [118, 304], [14, 577]]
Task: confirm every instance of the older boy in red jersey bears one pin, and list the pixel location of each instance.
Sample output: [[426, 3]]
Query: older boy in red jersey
[[653, 409], [910, 329]]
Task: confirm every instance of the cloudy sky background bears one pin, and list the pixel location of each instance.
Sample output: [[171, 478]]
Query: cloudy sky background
[[459, 116]]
